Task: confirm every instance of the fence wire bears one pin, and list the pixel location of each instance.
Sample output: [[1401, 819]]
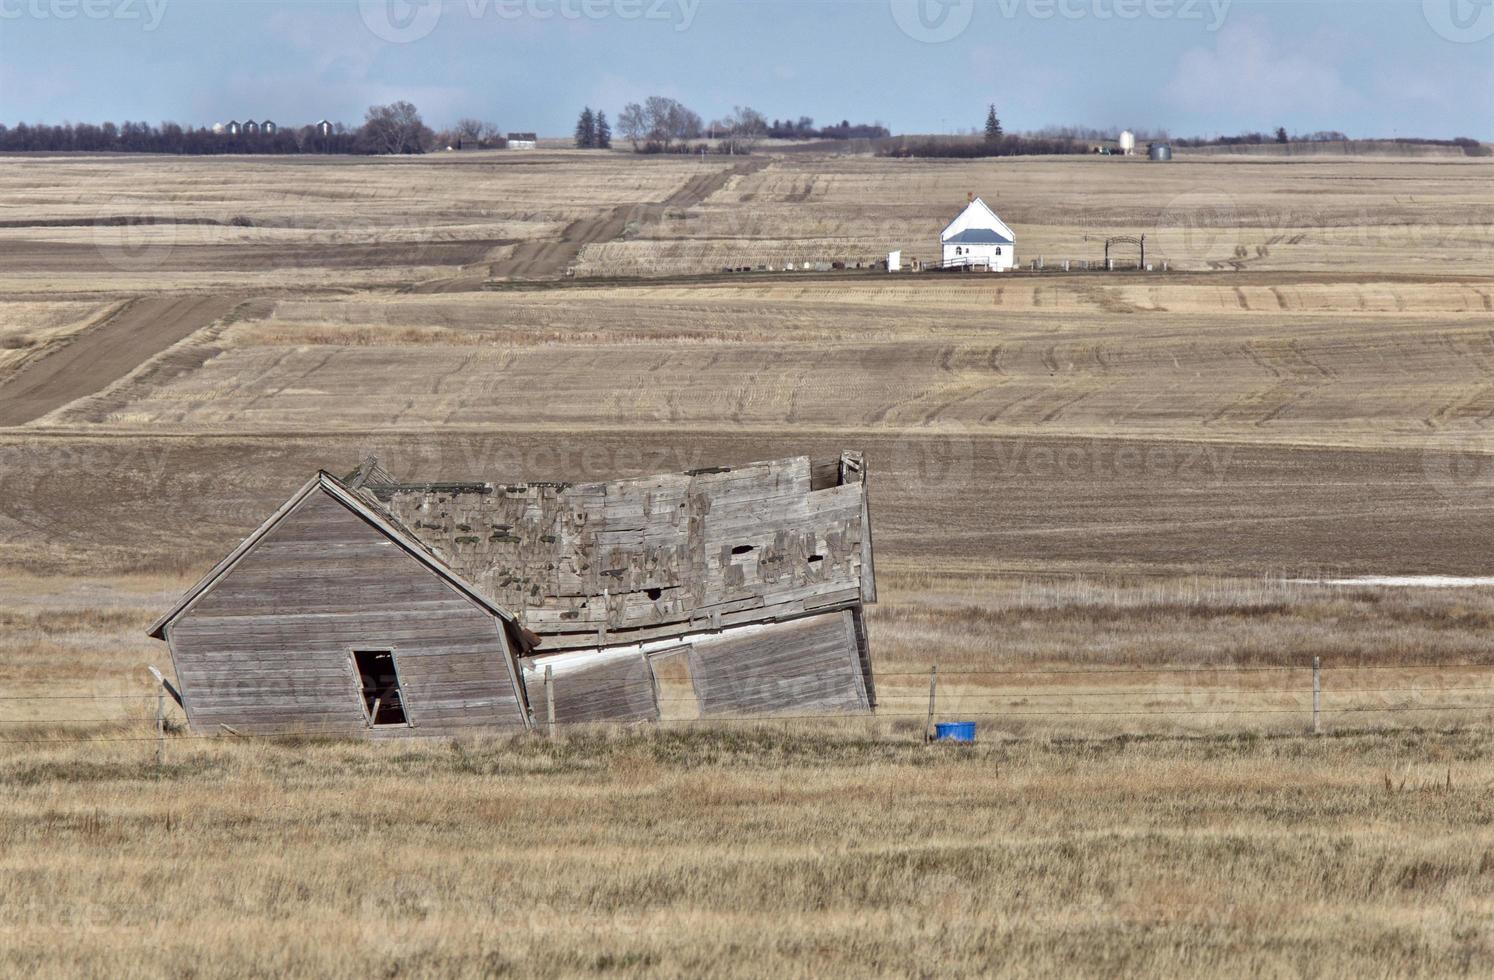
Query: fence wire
[[908, 702]]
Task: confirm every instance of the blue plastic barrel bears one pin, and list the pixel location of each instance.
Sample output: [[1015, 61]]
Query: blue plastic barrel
[[954, 731]]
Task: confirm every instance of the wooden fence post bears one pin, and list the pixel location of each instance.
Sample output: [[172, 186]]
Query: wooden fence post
[[160, 727], [928, 727], [549, 700], [1317, 727]]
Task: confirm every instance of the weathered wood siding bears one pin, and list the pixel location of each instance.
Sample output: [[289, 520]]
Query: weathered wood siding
[[619, 689], [268, 649], [804, 666], [636, 560]]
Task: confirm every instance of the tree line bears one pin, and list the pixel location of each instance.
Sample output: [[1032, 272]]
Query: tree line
[[396, 128], [660, 124]]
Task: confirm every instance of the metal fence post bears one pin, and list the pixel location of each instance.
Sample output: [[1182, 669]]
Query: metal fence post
[[160, 727], [928, 727], [1317, 727]]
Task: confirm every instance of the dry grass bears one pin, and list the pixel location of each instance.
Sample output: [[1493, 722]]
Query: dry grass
[[28, 329], [751, 852]]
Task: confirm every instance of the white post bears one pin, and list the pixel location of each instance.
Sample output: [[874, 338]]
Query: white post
[[1317, 727]]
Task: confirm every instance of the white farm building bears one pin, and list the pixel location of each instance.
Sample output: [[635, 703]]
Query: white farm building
[[978, 238]]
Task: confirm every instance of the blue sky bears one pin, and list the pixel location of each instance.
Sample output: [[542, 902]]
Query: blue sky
[[1367, 67]]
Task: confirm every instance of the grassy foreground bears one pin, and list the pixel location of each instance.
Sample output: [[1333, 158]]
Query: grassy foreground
[[751, 852]]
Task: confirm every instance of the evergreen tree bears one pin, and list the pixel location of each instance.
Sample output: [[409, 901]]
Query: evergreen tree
[[603, 132], [1281, 135], [993, 125], [586, 130]]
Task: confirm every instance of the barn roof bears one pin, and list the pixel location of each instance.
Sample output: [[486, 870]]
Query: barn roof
[[650, 557]]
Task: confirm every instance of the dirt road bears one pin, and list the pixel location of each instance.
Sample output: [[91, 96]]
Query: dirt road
[[105, 353], [534, 260]]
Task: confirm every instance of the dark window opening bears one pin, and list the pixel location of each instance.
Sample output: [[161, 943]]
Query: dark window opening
[[378, 682], [742, 549]]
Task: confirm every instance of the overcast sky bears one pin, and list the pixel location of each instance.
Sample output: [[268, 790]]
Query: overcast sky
[[1367, 67]]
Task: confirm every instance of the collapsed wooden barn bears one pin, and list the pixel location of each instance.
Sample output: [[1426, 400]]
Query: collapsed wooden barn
[[365, 604]]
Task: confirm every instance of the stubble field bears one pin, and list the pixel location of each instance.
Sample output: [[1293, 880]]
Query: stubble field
[[1099, 501]]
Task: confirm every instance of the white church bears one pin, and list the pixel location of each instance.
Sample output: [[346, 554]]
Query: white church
[[977, 238]]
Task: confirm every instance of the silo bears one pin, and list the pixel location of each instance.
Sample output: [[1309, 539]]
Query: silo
[[1160, 152], [1127, 142]]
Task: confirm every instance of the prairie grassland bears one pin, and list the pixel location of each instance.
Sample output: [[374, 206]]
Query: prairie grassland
[[750, 851], [1381, 215], [1022, 655]]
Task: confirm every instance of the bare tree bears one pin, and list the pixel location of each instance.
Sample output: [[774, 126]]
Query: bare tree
[[395, 128], [476, 131], [744, 128], [632, 124]]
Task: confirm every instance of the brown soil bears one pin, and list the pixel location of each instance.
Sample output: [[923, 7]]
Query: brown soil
[[107, 352]]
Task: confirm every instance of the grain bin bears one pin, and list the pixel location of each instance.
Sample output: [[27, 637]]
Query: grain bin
[[1160, 152], [1127, 142]]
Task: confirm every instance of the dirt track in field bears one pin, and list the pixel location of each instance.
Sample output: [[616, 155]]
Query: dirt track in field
[[106, 353], [537, 260]]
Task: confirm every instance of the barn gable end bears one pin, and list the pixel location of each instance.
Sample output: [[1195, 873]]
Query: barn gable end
[[266, 643]]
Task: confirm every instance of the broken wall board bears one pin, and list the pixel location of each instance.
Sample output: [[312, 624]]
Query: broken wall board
[[644, 556]]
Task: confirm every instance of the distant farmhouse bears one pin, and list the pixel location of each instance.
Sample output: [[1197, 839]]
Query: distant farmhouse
[[322, 127], [977, 238], [370, 606], [522, 141]]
